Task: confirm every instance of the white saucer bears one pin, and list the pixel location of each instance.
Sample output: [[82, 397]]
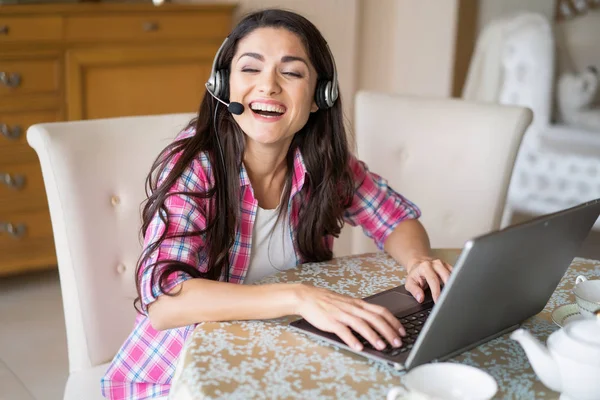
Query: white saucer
[[566, 314]]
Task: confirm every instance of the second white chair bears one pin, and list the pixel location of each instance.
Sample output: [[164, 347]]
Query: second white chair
[[453, 158]]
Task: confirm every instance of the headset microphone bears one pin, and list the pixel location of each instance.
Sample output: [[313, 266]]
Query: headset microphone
[[234, 107]]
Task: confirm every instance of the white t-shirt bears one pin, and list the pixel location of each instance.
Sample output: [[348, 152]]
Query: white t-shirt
[[272, 247]]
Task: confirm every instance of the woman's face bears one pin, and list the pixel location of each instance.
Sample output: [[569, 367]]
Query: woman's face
[[272, 76]]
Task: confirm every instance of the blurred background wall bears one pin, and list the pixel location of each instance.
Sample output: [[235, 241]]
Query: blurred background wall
[[424, 47]]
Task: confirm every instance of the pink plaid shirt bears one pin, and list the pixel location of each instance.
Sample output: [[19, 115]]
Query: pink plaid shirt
[[145, 364]]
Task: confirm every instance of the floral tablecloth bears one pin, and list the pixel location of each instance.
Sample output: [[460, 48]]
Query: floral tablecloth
[[266, 359]]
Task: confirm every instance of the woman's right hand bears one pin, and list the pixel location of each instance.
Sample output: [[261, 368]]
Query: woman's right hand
[[338, 314]]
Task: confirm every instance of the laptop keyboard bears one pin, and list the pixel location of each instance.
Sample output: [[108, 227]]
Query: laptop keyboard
[[412, 323]]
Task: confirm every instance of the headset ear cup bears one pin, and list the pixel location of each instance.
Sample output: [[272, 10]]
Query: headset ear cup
[[224, 76], [317, 91], [320, 95], [327, 95], [211, 83], [216, 79], [222, 84]]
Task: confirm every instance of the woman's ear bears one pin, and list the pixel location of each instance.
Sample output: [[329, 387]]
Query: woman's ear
[[314, 107]]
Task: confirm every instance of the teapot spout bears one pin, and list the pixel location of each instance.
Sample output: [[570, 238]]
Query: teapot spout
[[540, 359]]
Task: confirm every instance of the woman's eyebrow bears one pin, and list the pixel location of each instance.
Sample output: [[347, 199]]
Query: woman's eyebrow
[[284, 59], [253, 55]]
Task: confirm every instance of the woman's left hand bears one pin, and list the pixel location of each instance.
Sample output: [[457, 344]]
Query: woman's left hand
[[424, 273]]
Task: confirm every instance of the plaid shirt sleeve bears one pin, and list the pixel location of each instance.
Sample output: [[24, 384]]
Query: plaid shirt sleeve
[[184, 215], [376, 207]]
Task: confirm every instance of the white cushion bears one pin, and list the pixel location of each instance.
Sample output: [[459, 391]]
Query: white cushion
[[453, 158], [85, 384]]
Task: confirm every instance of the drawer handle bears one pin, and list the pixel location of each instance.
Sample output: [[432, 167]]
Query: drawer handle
[[4, 29], [15, 231], [13, 133], [10, 80], [12, 181], [150, 26]]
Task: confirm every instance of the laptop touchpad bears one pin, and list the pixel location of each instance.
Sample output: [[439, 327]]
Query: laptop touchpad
[[394, 301]]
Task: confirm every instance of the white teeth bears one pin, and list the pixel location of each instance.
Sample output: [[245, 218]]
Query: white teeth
[[267, 107]]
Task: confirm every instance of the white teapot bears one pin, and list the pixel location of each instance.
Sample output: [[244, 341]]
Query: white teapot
[[571, 362]]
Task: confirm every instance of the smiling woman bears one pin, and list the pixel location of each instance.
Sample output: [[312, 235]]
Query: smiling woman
[[256, 187]]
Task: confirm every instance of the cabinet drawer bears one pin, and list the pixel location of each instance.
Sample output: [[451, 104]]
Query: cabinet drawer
[[21, 187], [13, 128], [30, 245], [25, 29], [147, 27], [136, 80], [29, 76]]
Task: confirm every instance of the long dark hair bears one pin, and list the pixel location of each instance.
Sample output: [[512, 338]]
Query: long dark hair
[[327, 190]]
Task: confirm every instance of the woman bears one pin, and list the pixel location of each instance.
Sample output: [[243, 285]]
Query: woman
[[239, 196]]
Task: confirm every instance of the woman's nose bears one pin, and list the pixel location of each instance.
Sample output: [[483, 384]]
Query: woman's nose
[[268, 83]]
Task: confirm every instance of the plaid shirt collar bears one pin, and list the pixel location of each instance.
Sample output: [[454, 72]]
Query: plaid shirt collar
[[298, 177]]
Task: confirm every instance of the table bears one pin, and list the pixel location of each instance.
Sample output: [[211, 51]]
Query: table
[[266, 359]]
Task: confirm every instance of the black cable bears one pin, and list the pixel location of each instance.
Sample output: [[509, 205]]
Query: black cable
[[217, 137], [224, 183]]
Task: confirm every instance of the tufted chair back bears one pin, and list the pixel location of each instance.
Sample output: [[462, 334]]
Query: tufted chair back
[[527, 60], [94, 173], [453, 158]]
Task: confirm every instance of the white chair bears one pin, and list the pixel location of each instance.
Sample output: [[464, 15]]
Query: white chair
[[451, 157], [94, 173]]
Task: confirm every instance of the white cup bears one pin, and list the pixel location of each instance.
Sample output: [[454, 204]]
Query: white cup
[[587, 296], [445, 381]]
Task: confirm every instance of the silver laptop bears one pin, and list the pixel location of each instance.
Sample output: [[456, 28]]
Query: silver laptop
[[500, 280]]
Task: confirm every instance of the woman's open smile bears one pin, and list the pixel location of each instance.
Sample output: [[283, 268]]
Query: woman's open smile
[[268, 110]]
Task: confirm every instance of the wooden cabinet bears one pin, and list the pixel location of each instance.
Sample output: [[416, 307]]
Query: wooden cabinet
[[104, 82], [82, 61]]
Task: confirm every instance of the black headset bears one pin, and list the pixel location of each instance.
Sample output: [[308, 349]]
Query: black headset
[[218, 84]]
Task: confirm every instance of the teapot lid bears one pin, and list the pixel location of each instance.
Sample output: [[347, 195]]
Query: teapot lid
[[585, 332], [579, 340]]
